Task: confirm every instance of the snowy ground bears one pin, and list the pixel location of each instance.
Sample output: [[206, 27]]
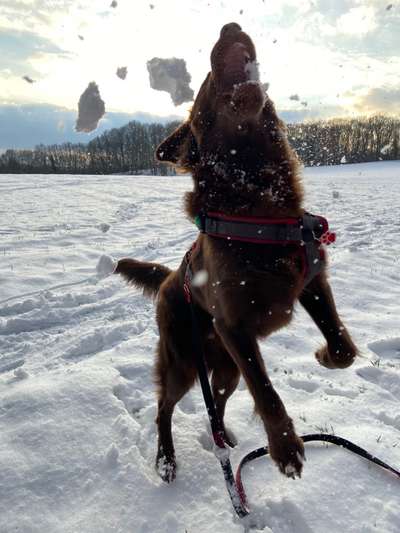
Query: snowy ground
[[77, 437]]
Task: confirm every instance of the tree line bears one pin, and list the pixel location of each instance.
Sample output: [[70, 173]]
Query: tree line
[[356, 140], [130, 149]]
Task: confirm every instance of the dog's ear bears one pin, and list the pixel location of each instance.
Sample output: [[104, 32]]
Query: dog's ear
[[180, 148]]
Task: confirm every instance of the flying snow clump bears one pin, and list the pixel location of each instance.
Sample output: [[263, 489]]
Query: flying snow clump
[[171, 75], [294, 97], [200, 278], [252, 71], [122, 72], [105, 266], [90, 109]]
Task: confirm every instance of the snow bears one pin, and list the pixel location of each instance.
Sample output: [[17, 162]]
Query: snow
[[252, 70], [77, 404], [122, 72], [200, 278], [91, 108], [385, 149], [105, 266], [171, 75]]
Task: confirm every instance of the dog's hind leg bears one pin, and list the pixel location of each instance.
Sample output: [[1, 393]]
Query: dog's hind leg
[[317, 300], [175, 372], [174, 381]]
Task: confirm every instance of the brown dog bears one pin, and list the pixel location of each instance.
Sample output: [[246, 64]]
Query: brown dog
[[235, 147]]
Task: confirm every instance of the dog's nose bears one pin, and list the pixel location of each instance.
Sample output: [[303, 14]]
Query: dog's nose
[[230, 29]]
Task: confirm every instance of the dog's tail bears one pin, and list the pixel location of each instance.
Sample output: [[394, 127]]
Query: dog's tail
[[143, 275]]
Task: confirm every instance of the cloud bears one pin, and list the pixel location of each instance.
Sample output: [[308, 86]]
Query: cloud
[[291, 116], [333, 9], [379, 100], [23, 47], [38, 12], [316, 48], [25, 126], [357, 21], [381, 41], [350, 27]]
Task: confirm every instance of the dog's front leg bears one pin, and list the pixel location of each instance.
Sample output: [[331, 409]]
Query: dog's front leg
[[286, 448], [317, 299]]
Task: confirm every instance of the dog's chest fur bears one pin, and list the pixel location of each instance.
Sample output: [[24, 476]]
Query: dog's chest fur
[[248, 283]]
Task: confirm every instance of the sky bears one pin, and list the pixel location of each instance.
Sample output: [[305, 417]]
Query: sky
[[339, 57]]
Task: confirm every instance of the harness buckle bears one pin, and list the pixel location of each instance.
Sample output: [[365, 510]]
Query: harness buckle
[[307, 235], [200, 221]]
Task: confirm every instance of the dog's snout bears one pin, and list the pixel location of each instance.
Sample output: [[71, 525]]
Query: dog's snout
[[237, 53], [230, 29]]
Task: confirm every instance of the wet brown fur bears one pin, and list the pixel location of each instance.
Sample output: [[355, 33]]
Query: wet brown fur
[[236, 149]]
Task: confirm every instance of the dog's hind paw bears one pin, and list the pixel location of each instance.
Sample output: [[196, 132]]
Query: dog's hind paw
[[166, 468]]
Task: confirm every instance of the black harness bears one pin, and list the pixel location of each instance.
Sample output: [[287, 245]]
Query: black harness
[[308, 232]]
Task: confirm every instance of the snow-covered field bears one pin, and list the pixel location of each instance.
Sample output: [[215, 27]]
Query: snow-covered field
[[77, 405]]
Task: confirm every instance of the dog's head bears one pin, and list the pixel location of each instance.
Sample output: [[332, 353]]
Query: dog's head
[[230, 109]]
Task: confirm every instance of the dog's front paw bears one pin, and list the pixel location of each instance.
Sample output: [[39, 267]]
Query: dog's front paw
[[287, 450], [166, 468]]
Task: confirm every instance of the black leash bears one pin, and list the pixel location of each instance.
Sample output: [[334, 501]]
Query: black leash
[[221, 449], [324, 437], [235, 486]]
